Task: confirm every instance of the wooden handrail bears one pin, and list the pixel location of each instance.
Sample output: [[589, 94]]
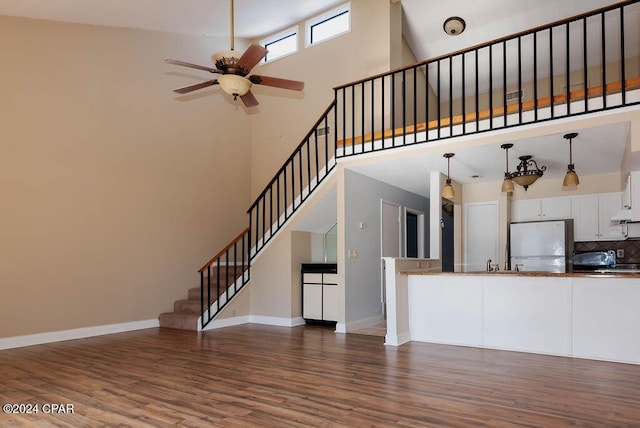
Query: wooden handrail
[[224, 250], [578, 94]]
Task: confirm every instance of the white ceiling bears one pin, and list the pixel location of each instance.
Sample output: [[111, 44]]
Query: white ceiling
[[596, 150], [486, 20]]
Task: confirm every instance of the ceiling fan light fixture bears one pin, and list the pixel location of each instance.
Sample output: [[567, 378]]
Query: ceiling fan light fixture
[[454, 25], [235, 85]]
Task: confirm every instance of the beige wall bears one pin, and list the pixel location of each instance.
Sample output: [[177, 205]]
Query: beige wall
[[285, 117], [113, 190]]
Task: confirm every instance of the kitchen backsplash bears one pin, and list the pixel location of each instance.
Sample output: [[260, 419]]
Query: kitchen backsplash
[[631, 249]]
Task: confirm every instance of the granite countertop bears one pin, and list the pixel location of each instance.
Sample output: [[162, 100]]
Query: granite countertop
[[582, 274]]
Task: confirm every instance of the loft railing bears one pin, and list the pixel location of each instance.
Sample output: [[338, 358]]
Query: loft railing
[[579, 65], [585, 64]]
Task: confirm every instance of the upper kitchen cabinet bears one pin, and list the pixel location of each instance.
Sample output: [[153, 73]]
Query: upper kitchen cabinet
[[592, 217], [541, 209]]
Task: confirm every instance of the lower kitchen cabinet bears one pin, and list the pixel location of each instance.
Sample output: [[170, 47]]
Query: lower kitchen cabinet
[[320, 292]]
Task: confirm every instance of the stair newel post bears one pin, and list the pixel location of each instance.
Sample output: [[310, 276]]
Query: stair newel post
[[202, 323]]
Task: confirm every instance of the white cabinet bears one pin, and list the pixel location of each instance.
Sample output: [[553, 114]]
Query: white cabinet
[[541, 209], [592, 217], [319, 292]]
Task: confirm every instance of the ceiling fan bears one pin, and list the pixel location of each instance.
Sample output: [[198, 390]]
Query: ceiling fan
[[234, 69]]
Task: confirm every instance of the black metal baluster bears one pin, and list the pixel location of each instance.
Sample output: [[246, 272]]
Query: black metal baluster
[[490, 86], [308, 167], [464, 101], [315, 144], [519, 80], [202, 323], [504, 81], [604, 63], [404, 107], [451, 96], [623, 59], [278, 201], [393, 110], [264, 219], [353, 119], [235, 266], [438, 99], [415, 105], [217, 288], [383, 110], [226, 278], [362, 115], [373, 113], [552, 101], [535, 76], [568, 78], [426, 102], [477, 93], [585, 75]]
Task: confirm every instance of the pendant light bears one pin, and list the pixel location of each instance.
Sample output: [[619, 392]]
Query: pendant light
[[571, 178], [507, 183], [527, 172], [447, 190]]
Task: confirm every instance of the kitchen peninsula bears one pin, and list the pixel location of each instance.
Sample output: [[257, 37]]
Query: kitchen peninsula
[[582, 315]]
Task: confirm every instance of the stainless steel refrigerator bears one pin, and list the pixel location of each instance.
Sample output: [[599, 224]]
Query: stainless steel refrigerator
[[541, 246]]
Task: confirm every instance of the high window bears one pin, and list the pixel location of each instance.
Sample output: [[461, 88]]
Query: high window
[[328, 25], [282, 44]]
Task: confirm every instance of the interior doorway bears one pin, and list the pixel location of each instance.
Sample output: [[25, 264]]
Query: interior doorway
[[413, 233], [448, 244]]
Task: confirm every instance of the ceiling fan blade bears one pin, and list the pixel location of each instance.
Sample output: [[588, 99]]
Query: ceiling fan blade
[[188, 64], [294, 85], [195, 87], [252, 56], [249, 100]]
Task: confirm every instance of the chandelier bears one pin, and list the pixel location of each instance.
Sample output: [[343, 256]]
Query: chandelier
[[527, 172]]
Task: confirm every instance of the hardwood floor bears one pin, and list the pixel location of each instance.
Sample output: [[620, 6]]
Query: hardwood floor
[[256, 375]]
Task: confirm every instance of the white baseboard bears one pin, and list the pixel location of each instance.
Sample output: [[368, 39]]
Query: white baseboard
[[254, 319], [277, 321], [397, 340], [341, 327], [77, 333], [226, 322]]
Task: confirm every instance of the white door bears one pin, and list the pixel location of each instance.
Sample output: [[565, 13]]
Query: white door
[[480, 235]]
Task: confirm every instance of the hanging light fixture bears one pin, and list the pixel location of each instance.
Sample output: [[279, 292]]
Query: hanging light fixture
[[527, 172], [507, 183], [571, 178], [447, 190]]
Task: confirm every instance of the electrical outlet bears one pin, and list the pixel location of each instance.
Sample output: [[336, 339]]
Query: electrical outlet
[[620, 253]]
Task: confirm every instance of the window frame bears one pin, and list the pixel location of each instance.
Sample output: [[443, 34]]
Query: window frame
[[323, 18], [282, 35]]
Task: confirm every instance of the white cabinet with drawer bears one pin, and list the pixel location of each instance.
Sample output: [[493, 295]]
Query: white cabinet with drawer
[[319, 292]]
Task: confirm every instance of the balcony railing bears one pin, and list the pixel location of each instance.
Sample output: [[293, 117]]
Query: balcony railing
[[579, 65]]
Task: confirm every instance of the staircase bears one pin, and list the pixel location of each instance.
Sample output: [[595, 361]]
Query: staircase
[[186, 312]]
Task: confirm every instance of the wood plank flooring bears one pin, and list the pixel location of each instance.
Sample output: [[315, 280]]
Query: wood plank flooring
[[308, 376]]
